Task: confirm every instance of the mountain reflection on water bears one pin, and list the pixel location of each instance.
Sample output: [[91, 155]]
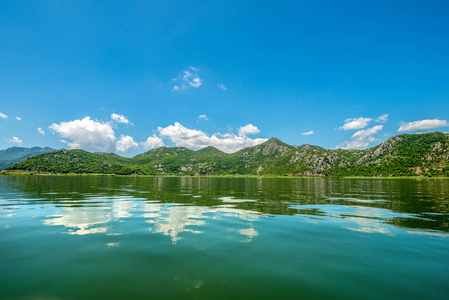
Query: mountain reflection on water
[[174, 206]]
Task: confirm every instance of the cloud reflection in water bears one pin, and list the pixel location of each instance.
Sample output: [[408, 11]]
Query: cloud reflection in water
[[165, 218]]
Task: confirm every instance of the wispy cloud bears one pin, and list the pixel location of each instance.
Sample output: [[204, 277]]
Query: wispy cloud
[[362, 138], [41, 131], [188, 79], [120, 119], [3, 116], [359, 123], [18, 118], [382, 118], [203, 117], [221, 86], [422, 125], [356, 123], [308, 132]]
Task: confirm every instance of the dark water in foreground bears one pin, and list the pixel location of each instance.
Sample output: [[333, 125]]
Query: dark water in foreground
[[64, 237]]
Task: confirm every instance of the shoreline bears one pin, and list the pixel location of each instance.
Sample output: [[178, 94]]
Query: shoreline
[[5, 173]]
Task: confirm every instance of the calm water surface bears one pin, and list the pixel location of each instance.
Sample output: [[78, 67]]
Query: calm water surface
[[104, 237]]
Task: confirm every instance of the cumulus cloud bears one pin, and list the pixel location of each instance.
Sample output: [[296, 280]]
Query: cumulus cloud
[[86, 134], [18, 118], [356, 123], [16, 140], [221, 86], [382, 118], [178, 133], [359, 123], [188, 79], [120, 119], [126, 143], [153, 142], [3, 116], [196, 139], [422, 125], [362, 138], [203, 117], [41, 131], [248, 129], [308, 132]]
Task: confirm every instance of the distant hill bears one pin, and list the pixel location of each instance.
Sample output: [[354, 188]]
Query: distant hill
[[14, 155], [402, 155]]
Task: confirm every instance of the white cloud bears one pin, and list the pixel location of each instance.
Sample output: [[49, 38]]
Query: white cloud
[[16, 140], [196, 139], [308, 132], [362, 138], [422, 125], [359, 123], [153, 142], [248, 129], [203, 117], [196, 82], [367, 133], [355, 123], [41, 131], [126, 143], [177, 133], [3, 116], [382, 118], [188, 79], [221, 86], [87, 134], [120, 119], [18, 118]]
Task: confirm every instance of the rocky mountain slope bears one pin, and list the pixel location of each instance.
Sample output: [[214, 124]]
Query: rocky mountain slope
[[402, 155]]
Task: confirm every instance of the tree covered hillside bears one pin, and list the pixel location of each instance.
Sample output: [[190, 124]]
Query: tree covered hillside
[[14, 155], [402, 155]]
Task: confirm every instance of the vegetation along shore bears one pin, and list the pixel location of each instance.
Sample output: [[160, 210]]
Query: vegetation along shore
[[422, 155]]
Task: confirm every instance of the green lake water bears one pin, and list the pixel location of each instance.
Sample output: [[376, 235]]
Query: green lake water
[[106, 237]]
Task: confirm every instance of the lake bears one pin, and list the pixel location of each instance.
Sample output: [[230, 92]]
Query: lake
[[111, 237]]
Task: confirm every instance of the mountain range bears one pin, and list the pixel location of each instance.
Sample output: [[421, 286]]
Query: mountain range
[[403, 155], [13, 155]]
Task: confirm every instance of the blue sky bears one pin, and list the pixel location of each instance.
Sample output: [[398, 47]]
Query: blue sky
[[108, 75]]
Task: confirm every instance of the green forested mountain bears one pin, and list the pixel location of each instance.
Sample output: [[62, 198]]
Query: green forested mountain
[[402, 155], [14, 155]]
